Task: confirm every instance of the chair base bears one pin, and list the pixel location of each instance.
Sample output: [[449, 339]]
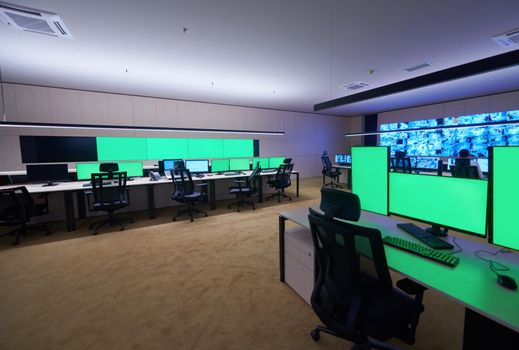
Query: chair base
[[333, 185], [23, 230], [279, 194], [190, 211], [363, 344], [241, 202], [110, 220]]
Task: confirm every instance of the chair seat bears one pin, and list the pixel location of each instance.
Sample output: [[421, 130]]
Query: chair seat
[[107, 205]]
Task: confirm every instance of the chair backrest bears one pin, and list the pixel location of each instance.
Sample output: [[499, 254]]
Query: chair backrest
[[13, 204], [468, 172], [252, 180], [462, 162], [113, 192], [351, 264], [286, 175], [182, 183], [327, 164]]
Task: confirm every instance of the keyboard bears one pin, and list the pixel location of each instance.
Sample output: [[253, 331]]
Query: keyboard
[[424, 236], [231, 173], [89, 184], [420, 250]]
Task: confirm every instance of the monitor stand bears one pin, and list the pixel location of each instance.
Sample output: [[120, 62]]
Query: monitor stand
[[436, 230], [50, 183]]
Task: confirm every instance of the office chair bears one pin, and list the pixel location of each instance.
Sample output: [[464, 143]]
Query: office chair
[[353, 293], [184, 192], [17, 207], [108, 167], [400, 162], [330, 171], [109, 197], [245, 189], [281, 181], [467, 172]]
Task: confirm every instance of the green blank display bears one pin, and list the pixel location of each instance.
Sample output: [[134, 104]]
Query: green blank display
[[447, 201], [219, 165], [238, 148], [275, 162], [369, 174], [239, 164], [505, 226], [167, 148], [121, 148], [84, 170], [206, 148], [264, 162]]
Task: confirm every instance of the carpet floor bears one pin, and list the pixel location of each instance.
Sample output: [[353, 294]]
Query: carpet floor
[[208, 284]]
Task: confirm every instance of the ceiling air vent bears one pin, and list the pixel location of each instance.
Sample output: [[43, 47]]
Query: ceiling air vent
[[33, 20], [355, 85], [418, 66], [507, 39]]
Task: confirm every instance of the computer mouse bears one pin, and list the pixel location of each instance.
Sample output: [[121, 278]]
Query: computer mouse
[[507, 282]]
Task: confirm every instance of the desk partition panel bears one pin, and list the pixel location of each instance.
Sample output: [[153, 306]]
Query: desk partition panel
[[504, 196], [370, 167]]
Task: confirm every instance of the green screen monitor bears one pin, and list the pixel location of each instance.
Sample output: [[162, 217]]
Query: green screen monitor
[[445, 201], [264, 162], [237, 164], [133, 169], [275, 162], [504, 203], [84, 170], [220, 165], [369, 177]]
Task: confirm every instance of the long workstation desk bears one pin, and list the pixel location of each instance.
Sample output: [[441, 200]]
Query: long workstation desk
[[491, 311], [68, 189]]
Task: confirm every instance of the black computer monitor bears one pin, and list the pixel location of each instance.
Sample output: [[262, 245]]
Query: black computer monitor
[[172, 164], [197, 165], [343, 159], [47, 173], [340, 204]]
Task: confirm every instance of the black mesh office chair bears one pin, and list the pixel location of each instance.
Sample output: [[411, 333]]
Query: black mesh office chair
[[109, 193], [245, 188], [330, 171], [184, 192], [17, 207], [281, 181], [353, 293], [468, 172], [400, 162]]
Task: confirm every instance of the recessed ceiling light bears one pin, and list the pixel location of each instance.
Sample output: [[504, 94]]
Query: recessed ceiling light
[[507, 39]]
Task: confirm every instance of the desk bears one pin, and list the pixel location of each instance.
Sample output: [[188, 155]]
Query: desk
[[348, 173], [471, 283], [68, 189]]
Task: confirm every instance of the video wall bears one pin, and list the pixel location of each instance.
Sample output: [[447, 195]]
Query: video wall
[[447, 142]]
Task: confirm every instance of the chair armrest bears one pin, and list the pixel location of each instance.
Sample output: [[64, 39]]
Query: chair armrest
[[239, 181], [203, 184]]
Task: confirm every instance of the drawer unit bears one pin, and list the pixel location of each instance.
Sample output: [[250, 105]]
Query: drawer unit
[[299, 261]]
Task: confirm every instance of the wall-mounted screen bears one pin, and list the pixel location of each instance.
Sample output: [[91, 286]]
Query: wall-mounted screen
[[122, 148], [54, 149]]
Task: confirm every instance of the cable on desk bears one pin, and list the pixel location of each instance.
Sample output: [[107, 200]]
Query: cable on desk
[[459, 249], [495, 266]]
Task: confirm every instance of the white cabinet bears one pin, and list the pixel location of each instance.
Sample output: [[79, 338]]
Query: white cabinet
[[299, 261]]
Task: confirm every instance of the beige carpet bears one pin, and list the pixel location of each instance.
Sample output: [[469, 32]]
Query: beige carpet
[[210, 284]]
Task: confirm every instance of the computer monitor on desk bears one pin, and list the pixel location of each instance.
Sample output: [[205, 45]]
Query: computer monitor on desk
[[47, 173], [456, 203], [239, 164], [172, 164], [343, 159], [85, 170], [219, 165], [197, 166]]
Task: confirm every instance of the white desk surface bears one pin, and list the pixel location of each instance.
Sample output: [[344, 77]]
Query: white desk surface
[[470, 283], [138, 181]]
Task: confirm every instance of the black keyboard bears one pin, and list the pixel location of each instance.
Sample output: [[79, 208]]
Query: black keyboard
[[420, 250], [231, 173], [424, 236]]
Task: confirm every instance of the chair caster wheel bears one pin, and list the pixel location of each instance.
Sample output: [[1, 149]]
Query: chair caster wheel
[[121, 229], [191, 219], [290, 199], [47, 233], [315, 334], [253, 208], [174, 219], [131, 221], [205, 215], [94, 233], [15, 242]]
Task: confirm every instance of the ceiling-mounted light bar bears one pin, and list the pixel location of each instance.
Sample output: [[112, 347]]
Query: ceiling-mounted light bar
[[355, 134], [137, 128]]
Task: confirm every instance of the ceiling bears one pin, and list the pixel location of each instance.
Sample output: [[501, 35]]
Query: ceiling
[[288, 54]]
